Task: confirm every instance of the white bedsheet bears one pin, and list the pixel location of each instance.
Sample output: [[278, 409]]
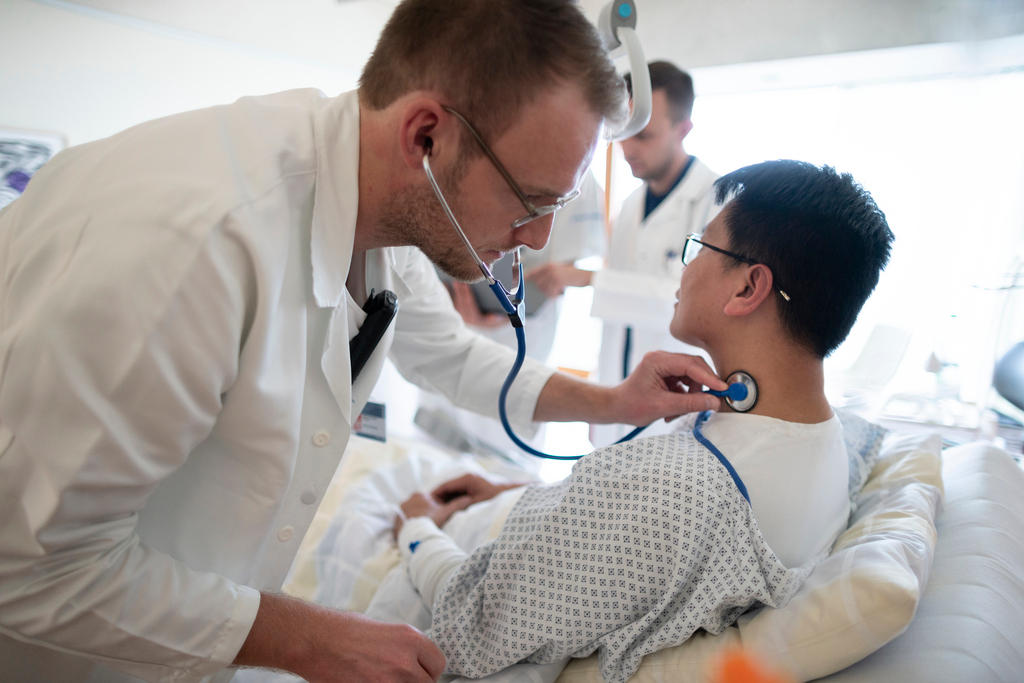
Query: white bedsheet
[[348, 559]]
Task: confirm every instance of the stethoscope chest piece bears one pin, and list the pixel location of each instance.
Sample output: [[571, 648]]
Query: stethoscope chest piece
[[742, 392]]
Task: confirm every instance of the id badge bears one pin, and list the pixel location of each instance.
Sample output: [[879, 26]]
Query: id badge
[[372, 423]]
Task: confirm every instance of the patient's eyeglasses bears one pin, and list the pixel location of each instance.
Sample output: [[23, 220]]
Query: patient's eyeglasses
[[532, 212], [692, 247]]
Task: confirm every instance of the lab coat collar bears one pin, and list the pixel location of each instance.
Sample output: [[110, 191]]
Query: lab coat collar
[[692, 186], [336, 196]]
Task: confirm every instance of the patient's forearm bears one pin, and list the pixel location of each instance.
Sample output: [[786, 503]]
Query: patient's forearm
[[432, 556]]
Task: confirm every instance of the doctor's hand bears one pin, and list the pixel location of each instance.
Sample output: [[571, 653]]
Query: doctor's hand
[[420, 505], [325, 645], [465, 303], [666, 385], [553, 278]]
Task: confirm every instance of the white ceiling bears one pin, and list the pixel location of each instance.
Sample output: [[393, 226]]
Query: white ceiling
[[325, 33], [692, 33]]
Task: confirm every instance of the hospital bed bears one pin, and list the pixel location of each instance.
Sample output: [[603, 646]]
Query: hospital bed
[[925, 585]]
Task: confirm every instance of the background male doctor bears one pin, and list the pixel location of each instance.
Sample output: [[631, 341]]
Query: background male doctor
[[635, 292], [176, 306]]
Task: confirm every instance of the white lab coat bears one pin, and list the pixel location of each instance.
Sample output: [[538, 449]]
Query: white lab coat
[[175, 388], [637, 286]]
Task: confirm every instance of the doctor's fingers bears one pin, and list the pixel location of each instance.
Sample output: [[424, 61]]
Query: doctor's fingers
[[683, 385], [361, 649], [681, 365], [676, 404]]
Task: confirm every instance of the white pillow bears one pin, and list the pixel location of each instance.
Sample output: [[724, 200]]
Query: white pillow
[[863, 441], [860, 597]]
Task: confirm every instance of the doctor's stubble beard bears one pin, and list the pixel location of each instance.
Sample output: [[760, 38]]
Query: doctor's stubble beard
[[415, 217]]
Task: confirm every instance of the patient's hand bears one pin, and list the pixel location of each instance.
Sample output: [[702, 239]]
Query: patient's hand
[[419, 505], [475, 487]]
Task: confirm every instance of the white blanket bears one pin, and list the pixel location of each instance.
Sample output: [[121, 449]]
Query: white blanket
[[348, 559]]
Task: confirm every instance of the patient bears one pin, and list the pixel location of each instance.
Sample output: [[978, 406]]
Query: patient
[[647, 542]]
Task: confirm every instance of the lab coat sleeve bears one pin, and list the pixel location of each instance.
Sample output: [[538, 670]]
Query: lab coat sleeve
[[431, 556], [106, 388], [434, 349]]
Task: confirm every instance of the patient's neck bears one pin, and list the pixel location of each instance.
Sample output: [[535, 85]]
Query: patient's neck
[[790, 380]]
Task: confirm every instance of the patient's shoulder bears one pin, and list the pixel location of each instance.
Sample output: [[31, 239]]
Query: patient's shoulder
[[661, 466]]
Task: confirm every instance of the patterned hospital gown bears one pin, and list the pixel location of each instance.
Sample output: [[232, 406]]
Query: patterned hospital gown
[[642, 545]]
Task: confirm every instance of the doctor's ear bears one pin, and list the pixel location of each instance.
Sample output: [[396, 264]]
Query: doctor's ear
[[752, 289], [422, 130]]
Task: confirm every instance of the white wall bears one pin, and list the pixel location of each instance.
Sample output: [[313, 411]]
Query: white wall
[[88, 73]]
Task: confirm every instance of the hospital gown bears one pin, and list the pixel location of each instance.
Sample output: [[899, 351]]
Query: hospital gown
[[641, 546]]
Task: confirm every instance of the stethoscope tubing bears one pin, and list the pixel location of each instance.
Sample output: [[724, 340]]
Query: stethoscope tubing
[[507, 385]]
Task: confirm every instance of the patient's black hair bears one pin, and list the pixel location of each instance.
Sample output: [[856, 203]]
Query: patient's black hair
[[822, 235]]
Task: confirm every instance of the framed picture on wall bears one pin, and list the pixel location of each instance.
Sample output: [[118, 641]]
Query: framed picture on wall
[[22, 153]]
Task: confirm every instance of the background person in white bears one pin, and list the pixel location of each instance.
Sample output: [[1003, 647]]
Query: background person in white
[[176, 389], [633, 293], [772, 287], [577, 232]]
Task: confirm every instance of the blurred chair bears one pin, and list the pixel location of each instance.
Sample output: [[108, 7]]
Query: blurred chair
[[1008, 377]]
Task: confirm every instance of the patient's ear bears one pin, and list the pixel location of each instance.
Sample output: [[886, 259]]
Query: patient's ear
[[751, 291]]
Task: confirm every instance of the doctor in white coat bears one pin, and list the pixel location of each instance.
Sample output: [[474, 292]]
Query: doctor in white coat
[[176, 307], [635, 293]]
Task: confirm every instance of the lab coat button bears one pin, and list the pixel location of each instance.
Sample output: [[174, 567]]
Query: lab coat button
[[284, 534], [308, 497], [321, 439]]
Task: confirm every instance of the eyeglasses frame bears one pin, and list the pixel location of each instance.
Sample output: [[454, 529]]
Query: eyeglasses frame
[[533, 212], [693, 237]]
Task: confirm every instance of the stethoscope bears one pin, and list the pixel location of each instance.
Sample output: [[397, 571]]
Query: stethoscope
[[740, 395]]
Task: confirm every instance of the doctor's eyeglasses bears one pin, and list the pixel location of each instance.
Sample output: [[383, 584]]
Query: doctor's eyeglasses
[[692, 247], [532, 212]]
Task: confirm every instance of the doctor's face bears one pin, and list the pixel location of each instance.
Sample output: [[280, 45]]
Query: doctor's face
[[545, 153], [652, 152]]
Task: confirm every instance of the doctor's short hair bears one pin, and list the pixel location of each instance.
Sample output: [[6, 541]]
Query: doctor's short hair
[[822, 235], [490, 58], [675, 83]]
